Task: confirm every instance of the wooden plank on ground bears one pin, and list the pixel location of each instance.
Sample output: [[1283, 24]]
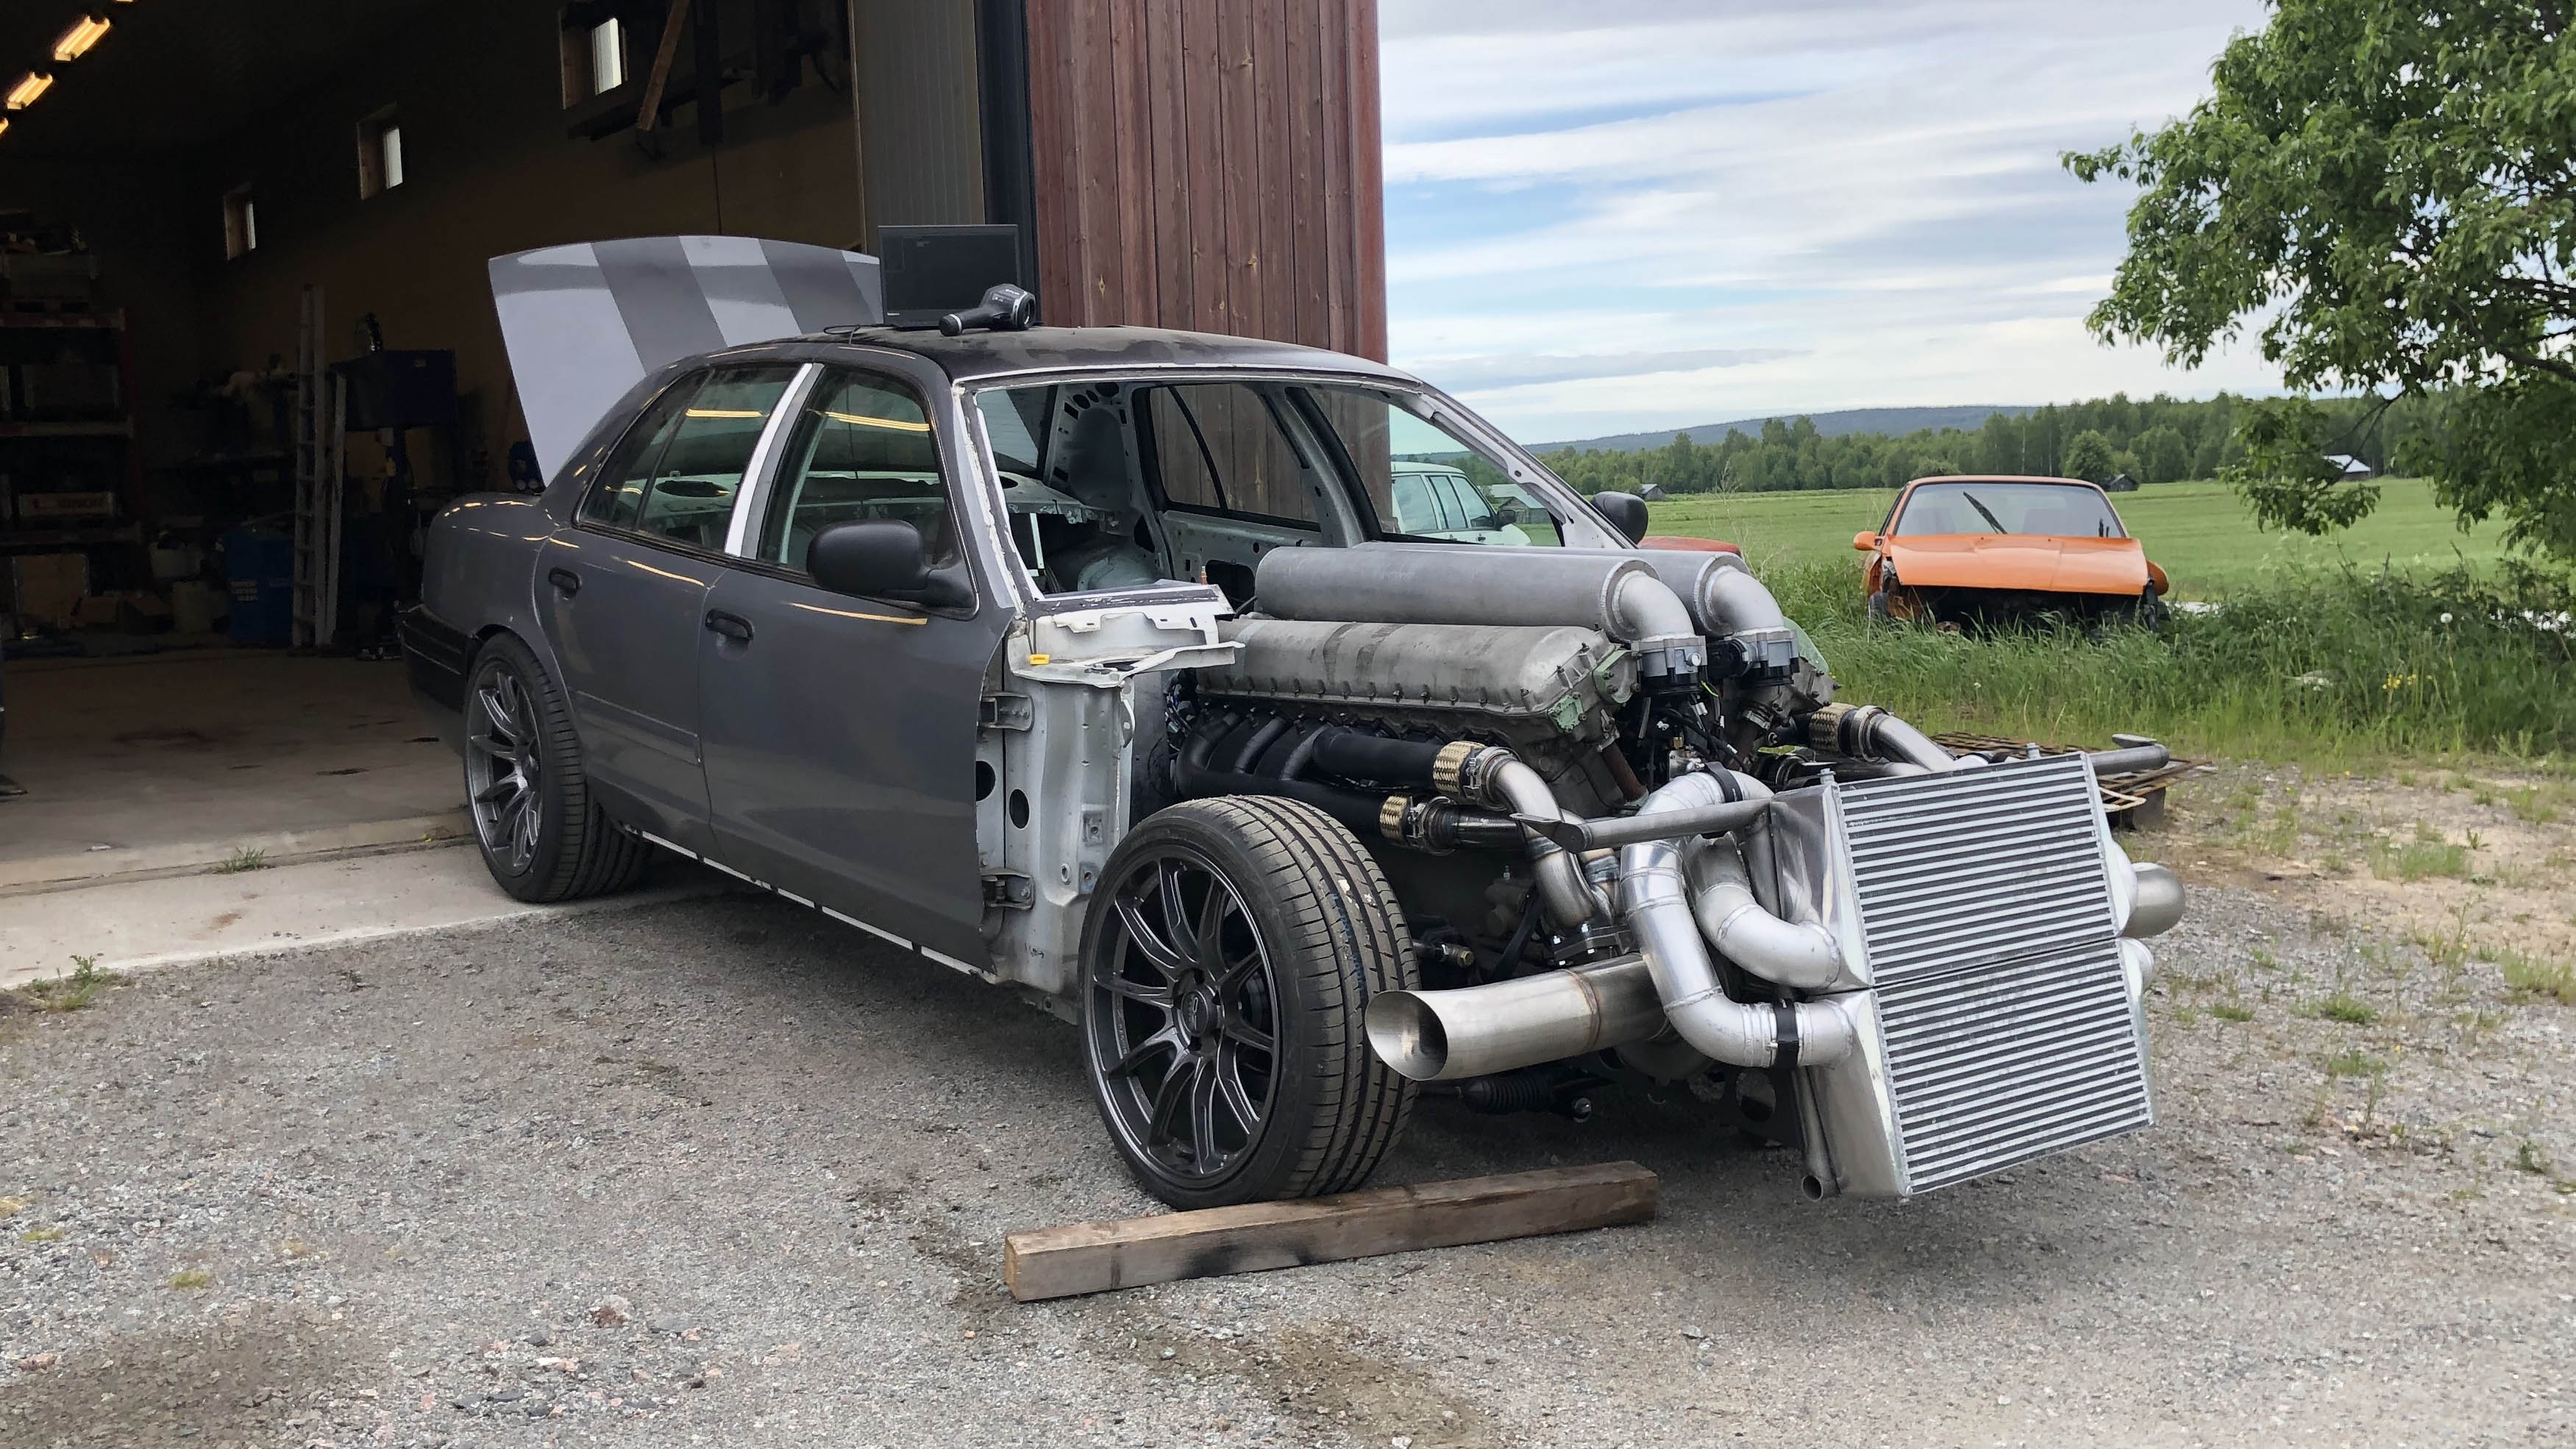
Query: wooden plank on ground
[[1094, 1257]]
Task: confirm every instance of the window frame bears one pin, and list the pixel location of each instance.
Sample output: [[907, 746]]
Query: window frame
[[751, 515], [241, 222], [755, 471], [375, 158], [1283, 418]]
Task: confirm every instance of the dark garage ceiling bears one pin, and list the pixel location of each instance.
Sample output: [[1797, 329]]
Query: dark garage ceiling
[[173, 73]]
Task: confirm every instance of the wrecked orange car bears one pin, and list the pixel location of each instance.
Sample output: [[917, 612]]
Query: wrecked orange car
[[1960, 551]]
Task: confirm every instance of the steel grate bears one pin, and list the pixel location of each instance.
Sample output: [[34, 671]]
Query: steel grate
[[2003, 1007]]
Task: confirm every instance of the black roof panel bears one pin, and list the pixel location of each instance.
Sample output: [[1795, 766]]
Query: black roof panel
[[977, 355]]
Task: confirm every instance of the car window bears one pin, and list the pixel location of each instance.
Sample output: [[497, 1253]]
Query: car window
[[617, 497], [861, 449], [1219, 447], [1464, 496], [695, 457], [1015, 420], [2008, 506]]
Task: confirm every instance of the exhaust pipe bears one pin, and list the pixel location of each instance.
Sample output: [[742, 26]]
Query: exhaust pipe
[[1475, 1031]]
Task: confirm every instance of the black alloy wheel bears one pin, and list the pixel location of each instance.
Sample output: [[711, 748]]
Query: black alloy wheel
[[1191, 1030], [542, 835], [1228, 961], [503, 768]]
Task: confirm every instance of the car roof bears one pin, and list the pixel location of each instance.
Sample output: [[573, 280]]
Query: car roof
[[975, 356]]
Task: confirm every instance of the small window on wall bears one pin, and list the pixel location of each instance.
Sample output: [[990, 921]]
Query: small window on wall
[[380, 153], [594, 53], [241, 223]]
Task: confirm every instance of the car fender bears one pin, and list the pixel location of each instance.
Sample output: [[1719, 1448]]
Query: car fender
[[479, 573], [2156, 576]]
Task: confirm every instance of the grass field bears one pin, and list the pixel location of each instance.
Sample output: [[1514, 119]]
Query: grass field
[[2199, 532]]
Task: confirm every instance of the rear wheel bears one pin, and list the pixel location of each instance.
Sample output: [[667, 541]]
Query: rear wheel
[[1228, 960], [541, 835]]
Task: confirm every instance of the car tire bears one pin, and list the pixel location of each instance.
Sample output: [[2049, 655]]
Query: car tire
[[541, 834], [1880, 613], [1228, 1057]]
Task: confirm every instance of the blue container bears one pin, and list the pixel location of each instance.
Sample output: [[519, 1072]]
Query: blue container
[[259, 565]]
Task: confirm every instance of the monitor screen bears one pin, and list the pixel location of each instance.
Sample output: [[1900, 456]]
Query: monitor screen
[[931, 271]]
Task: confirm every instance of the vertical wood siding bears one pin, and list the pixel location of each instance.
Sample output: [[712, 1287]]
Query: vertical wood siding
[[1210, 164]]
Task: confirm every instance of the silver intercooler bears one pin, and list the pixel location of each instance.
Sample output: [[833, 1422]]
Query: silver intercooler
[[1980, 913]]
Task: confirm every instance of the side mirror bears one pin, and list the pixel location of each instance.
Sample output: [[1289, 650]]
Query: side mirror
[[1626, 512], [1865, 541], [881, 559]]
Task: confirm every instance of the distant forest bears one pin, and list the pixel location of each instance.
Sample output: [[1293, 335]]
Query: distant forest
[[2155, 440]]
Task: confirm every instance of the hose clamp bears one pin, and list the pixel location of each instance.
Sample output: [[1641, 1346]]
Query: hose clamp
[[1449, 767], [1390, 817]]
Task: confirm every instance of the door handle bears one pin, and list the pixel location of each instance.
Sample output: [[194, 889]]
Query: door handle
[[732, 626], [565, 580]]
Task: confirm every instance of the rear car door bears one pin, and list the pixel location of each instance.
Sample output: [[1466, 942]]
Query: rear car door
[[623, 591], [839, 733]]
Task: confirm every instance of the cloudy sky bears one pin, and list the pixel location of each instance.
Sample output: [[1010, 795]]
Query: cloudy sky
[[1628, 214]]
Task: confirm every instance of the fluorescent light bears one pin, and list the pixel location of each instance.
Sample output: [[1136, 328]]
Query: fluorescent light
[[75, 42], [31, 85]]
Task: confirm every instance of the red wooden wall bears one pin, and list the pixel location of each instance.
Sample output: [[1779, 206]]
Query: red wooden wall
[[1210, 164]]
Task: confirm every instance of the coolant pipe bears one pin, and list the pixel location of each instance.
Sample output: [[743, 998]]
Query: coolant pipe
[[1474, 1031], [1651, 889], [1805, 956], [2134, 760]]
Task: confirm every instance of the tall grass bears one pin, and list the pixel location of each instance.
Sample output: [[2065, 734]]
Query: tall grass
[[2311, 665]]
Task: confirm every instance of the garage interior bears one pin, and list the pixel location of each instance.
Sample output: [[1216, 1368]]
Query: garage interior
[[247, 346]]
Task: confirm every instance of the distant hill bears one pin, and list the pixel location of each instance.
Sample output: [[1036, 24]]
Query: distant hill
[[1894, 421]]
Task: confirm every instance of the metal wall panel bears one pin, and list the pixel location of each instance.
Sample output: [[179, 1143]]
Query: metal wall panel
[[920, 112], [1210, 164]]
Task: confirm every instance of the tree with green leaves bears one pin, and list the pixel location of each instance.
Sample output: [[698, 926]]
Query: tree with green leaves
[[2089, 457], [2390, 187], [2162, 455]]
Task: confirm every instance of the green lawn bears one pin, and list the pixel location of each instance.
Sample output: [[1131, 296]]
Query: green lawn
[[2199, 532]]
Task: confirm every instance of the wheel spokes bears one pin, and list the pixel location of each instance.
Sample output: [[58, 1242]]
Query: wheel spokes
[[1241, 1032], [1157, 952], [1144, 1051], [1229, 1074], [1203, 1093], [1171, 1097]]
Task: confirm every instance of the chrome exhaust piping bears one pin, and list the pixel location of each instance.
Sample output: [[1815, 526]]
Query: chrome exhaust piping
[[1474, 1031]]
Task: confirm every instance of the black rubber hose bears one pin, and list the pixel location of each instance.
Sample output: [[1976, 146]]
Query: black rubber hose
[[1511, 958], [1361, 756], [1271, 729], [1304, 755], [1192, 781]]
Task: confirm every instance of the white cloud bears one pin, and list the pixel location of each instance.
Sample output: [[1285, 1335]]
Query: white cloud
[[1866, 196]]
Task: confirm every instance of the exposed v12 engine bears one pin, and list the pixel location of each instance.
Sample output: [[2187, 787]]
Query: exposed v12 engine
[[1634, 833]]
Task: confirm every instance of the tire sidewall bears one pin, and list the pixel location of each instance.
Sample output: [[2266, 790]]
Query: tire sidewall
[[1300, 1005], [505, 654]]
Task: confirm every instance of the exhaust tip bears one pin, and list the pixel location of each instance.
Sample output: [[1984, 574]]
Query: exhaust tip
[[1406, 1035], [1813, 1186]]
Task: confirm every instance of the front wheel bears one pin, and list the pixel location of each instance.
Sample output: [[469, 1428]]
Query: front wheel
[[542, 836], [1227, 963]]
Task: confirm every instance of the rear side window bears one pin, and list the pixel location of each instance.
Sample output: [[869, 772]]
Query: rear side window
[[691, 501], [617, 498], [862, 449], [1219, 447], [675, 474]]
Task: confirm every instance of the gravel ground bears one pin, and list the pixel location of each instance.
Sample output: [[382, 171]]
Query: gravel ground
[[720, 1173]]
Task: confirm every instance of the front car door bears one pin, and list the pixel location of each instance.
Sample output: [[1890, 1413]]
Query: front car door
[[839, 733], [623, 591]]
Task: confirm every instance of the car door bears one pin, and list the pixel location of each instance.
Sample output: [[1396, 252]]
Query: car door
[[623, 591], [839, 733]]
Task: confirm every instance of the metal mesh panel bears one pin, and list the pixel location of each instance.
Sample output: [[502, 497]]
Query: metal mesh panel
[[2003, 1008]]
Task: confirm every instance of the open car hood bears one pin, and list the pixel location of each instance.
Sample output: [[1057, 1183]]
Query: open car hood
[[587, 321], [2040, 562]]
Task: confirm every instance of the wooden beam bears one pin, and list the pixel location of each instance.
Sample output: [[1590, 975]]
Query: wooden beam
[[649, 116], [1094, 1257]]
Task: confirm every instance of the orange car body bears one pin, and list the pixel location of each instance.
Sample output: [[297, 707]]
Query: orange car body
[[2002, 563]]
